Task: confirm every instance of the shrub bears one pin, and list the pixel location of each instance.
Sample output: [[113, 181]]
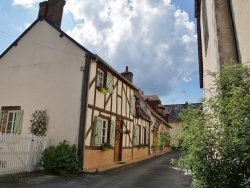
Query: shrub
[[216, 141], [61, 159], [173, 147]]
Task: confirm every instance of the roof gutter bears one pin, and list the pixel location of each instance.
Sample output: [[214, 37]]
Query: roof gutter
[[234, 33], [84, 108]]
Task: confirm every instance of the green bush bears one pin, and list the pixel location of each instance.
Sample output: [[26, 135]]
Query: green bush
[[62, 159], [215, 140], [173, 147]]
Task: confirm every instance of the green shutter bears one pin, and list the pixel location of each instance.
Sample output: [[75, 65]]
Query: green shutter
[[97, 131], [147, 135], [112, 133], [1, 115], [136, 135], [18, 122], [132, 105], [110, 82]]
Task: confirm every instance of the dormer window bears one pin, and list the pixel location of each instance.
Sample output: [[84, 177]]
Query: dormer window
[[100, 77]]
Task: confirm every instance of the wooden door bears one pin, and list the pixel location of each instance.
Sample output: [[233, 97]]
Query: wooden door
[[154, 140], [118, 141]]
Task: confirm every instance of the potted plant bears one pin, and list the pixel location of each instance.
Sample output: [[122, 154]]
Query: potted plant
[[105, 147], [102, 89], [140, 146], [127, 131]]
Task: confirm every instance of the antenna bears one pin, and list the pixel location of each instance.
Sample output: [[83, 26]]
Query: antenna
[[185, 95]]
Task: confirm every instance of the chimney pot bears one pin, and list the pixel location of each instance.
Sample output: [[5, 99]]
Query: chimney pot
[[126, 68], [53, 10], [43, 9]]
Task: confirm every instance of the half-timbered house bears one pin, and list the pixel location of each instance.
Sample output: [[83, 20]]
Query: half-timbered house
[[87, 102]]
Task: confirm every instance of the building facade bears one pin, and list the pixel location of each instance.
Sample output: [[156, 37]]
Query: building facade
[[222, 32]]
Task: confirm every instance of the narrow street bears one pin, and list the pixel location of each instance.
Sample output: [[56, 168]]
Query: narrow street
[[156, 172]]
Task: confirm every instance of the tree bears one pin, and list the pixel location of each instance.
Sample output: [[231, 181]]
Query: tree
[[216, 139]]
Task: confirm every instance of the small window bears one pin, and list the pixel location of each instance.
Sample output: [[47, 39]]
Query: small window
[[10, 122], [100, 77], [104, 131]]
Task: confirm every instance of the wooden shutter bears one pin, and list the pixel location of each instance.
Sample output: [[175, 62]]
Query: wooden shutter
[[132, 104], [110, 82], [147, 135], [136, 135], [112, 133], [18, 122], [0, 117], [97, 131]]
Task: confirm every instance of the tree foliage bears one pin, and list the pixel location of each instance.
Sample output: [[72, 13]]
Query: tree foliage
[[216, 139]]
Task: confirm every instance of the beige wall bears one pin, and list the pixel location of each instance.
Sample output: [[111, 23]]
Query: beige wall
[[211, 56], [241, 14], [37, 77], [175, 133]]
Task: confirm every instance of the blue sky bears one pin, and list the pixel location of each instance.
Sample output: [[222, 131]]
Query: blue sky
[[156, 39]]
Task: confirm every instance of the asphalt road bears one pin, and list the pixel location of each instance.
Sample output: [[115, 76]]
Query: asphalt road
[[156, 173]]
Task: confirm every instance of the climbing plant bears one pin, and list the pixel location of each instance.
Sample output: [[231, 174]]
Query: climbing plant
[[162, 139], [39, 123]]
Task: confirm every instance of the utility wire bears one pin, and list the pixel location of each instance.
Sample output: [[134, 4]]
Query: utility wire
[[41, 44]]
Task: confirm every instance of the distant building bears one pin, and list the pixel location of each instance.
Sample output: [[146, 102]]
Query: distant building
[[223, 35], [174, 120]]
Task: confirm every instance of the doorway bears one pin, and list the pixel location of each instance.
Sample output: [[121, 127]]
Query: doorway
[[118, 141]]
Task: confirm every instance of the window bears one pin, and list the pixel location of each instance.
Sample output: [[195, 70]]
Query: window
[[100, 78], [105, 79], [103, 131], [11, 120], [137, 135]]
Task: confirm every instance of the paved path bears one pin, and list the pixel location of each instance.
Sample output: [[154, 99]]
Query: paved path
[[155, 172]]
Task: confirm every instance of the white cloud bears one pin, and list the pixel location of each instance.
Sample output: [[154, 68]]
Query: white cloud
[[154, 38], [25, 3]]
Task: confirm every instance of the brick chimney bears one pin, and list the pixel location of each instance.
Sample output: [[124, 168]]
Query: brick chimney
[[53, 10], [128, 75]]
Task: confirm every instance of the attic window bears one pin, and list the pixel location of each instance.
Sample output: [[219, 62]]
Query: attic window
[[100, 77]]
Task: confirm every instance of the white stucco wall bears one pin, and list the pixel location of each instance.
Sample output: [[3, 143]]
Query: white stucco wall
[[241, 13], [43, 73], [211, 56]]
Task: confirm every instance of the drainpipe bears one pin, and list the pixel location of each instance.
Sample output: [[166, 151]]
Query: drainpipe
[[84, 107], [238, 60]]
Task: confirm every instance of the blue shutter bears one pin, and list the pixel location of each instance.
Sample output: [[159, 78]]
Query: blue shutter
[[18, 122], [112, 133], [97, 131]]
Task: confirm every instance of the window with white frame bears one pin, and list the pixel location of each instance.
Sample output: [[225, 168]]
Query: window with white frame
[[11, 118], [10, 122], [104, 131], [100, 77]]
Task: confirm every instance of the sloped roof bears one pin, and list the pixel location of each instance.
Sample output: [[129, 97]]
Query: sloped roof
[[151, 97], [152, 111], [175, 109], [62, 34]]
